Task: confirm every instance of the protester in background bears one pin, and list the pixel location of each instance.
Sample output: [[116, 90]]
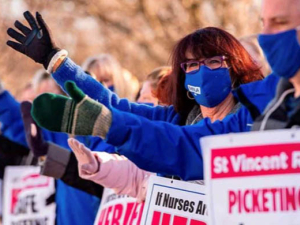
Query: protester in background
[[43, 83], [109, 72], [251, 44], [131, 83], [26, 93], [148, 92], [280, 43]]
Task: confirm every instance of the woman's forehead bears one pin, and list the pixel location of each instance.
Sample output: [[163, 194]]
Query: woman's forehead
[[190, 56], [195, 52]]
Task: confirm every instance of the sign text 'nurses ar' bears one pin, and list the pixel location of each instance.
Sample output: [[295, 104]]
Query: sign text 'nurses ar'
[[174, 202], [166, 200]]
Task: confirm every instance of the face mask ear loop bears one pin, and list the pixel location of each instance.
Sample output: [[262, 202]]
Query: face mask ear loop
[[232, 83], [189, 97]]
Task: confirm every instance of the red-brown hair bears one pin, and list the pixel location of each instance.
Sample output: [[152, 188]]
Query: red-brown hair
[[206, 43]]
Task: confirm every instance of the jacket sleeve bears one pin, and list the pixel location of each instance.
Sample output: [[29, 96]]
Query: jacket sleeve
[[96, 144], [257, 94], [12, 123], [68, 70], [71, 178], [165, 148], [121, 175], [11, 119], [61, 164]]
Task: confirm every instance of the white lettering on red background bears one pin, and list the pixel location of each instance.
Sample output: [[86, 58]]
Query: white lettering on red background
[[255, 160]]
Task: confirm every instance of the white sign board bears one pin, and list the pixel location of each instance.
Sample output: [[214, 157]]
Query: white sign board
[[174, 202], [118, 209], [25, 196], [253, 178]]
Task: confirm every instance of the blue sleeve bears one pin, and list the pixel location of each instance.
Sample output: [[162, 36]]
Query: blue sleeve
[[12, 123], [11, 119], [260, 93], [166, 148], [68, 70], [96, 144]]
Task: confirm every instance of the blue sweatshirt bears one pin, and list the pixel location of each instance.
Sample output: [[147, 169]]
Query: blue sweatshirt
[[163, 146], [73, 206]]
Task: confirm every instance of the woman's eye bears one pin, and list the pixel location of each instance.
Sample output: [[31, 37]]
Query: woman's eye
[[214, 61], [192, 65]]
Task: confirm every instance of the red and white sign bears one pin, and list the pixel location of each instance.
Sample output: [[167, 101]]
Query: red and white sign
[[118, 210], [253, 178], [174, 202], [25, 196]]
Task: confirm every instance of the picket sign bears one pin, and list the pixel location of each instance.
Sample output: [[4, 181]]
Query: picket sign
[[174, 202], [118, 209], [25, 196], [253, 178]]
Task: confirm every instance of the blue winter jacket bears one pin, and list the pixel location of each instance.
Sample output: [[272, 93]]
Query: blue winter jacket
[[73, 206], [163, 146]]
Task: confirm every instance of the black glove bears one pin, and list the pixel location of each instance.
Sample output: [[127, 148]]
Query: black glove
[[36, 42], [34, 136]]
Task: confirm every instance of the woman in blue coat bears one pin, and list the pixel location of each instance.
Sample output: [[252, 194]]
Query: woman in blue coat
[[208, 76]]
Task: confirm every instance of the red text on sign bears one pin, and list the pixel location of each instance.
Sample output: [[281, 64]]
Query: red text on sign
[[122, 214], [264, 200], [165, 219]]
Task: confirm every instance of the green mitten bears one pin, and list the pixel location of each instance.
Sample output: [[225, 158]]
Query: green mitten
[[78, 115]]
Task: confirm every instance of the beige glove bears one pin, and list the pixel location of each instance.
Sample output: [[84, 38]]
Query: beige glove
[[87, 162]]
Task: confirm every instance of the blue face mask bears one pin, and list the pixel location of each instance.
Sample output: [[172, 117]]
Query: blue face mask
[[112, 88], [209, 87], [282, 51]]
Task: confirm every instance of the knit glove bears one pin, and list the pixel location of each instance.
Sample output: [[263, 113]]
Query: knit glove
[[87, 162], [78, 115], [36, 42], [34, 135]]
